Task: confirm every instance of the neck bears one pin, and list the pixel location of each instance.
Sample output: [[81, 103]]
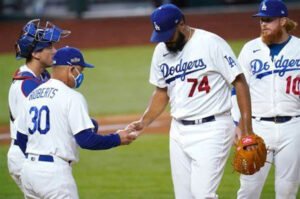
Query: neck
[[283, 38], [36, 67]]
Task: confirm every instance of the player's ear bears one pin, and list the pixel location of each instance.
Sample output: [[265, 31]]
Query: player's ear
[[71, 69], [181, 26], [36, 55], [71, 76], [283, 21]]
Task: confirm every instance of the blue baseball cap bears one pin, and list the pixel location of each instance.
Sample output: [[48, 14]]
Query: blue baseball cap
[[69, 56], [164, 20], [272, 8]]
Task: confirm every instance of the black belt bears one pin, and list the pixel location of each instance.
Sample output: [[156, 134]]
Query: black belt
[[199, 121], [277, 119]]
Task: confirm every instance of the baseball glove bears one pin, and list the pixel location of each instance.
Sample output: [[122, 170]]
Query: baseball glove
[[249, 161]]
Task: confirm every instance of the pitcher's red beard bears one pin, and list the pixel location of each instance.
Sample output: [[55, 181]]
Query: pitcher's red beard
[[273, 37]]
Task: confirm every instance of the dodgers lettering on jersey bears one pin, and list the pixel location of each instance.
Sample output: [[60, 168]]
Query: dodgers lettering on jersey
[[282, 65], [198, 78], [274, 85], [182, 69]]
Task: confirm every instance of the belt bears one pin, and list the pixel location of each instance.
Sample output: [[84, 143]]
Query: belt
[[277, 119], [199, 121], [44, 158]]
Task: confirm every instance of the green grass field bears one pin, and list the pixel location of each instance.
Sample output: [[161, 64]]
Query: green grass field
[[118, 85], [138, 171]]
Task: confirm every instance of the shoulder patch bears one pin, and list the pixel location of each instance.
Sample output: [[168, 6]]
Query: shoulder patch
[[29, 85]]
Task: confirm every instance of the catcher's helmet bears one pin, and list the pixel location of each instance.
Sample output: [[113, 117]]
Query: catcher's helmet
[[35, 38]]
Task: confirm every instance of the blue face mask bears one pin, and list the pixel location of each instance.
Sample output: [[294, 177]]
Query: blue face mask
[[78, 79]]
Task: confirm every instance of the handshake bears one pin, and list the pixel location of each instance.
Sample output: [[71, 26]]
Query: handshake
[[130, 133]]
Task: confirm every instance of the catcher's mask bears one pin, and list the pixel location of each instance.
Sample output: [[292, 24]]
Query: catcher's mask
[[34, 38]]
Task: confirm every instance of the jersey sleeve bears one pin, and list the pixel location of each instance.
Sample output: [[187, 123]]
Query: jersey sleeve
[[156, 75], [243, 61], [78, 116], [226, 61]]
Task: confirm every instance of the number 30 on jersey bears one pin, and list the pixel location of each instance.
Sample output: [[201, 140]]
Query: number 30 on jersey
[[40, 119]]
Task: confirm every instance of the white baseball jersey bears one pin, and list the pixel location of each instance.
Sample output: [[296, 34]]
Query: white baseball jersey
[[274, 85], [54, 113], [274, 89], [198, 78], [16, 98]]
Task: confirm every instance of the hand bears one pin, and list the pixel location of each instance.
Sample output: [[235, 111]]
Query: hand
[[127, 136], [238, 135], [136, 126]]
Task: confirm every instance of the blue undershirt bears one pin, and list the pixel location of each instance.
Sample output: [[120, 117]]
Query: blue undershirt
[[276, 48]]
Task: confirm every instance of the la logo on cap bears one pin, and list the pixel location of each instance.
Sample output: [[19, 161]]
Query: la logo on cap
[[264, 7], [156, 27]]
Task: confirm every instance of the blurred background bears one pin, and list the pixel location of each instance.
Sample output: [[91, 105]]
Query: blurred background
[[98, 23], [12, 9], [114, 36]]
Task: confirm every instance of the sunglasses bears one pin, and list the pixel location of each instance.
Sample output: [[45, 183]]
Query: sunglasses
[[268, 19]]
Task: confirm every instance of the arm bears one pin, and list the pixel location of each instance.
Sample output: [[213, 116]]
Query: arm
[[89, 139], [157, 105], [244, 103]]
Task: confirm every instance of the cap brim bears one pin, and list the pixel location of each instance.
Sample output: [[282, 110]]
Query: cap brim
[[162, 36], [260, 14], [86, 65]]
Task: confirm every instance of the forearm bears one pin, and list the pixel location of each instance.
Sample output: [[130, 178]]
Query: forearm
[[88, 139], [244, 103], [157, 105]]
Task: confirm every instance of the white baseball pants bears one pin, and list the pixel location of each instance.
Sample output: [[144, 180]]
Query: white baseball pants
[[198, 156]]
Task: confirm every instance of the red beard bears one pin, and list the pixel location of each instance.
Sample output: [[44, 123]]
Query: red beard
[[273, 37]]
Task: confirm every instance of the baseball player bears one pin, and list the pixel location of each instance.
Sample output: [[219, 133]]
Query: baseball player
[[193, 70], [36, 45], [53, 122], [271, 64]]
